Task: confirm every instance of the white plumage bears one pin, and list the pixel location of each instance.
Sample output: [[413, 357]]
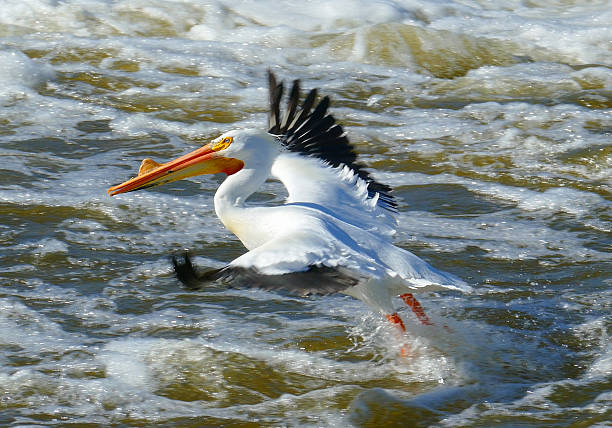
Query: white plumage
[[334, 232], [327, 220]]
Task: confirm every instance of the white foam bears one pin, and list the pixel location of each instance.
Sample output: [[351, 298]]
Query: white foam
[[124, 362], [31, 330], [20, 76], [602, 366], [49, 246]]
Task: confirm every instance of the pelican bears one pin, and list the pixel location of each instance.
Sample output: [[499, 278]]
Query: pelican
[[333, 233]]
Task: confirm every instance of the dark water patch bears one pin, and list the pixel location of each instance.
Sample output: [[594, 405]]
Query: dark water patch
[[590, 155], [446, 200], [375, 407], [36, 221], [51, 158], [202, 422], [94, 126], [102, 82], [9, 178], [331, 339], [55, 146], [8, 127], [414, 162], [572, 394], [591, 99], [133, 305]]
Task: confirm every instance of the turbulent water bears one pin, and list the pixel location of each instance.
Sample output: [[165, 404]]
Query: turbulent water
[[491, 120]]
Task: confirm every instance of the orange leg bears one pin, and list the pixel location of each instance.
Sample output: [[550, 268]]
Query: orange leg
[[396, 320], [416, 307]]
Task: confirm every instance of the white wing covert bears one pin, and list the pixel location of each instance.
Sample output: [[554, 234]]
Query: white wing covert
[[337, 191]]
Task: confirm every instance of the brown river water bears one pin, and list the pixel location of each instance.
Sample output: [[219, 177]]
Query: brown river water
[[491, 120]]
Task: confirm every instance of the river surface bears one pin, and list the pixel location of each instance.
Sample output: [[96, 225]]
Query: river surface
[[492, 120]]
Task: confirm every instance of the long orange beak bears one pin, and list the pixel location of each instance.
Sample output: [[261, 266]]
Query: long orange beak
[[204, 160]]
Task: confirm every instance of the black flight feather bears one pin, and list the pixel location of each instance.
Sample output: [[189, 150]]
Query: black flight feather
[[316, 280], [294, 98], [316, 133], [276, 93], [304, 110]]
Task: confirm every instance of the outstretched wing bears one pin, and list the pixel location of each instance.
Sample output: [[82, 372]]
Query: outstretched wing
[[314, 132], [314, 280]]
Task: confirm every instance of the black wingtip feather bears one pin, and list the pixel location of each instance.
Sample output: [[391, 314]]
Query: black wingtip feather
[[294, 98], [317, 134], [275, 94], [185, 272], [319, 280], [189, 276], [304, 112]]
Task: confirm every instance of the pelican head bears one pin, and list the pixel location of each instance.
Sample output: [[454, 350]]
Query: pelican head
[[229, 153]]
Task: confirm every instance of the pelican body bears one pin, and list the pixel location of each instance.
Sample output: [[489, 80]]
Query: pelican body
[[333, 233]]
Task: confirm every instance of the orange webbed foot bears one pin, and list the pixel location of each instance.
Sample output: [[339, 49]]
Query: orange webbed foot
[[395, 319]]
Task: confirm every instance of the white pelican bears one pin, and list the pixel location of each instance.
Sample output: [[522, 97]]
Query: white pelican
[[333, 233]]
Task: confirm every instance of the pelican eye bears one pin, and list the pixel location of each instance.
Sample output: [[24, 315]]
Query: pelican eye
[[223, 144]]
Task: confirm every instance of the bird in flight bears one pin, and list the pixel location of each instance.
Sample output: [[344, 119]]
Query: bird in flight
[[334, 231]]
